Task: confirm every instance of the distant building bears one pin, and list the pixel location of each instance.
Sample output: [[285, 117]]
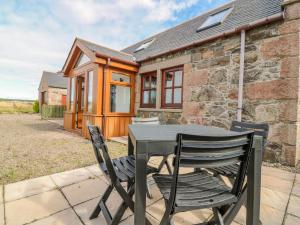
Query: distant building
[[52, 89]]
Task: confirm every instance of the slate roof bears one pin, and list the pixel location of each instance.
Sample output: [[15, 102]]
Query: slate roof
[[54, 80], [243, 13], [106, 51]]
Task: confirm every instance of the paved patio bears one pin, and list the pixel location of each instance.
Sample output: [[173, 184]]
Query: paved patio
[[68, 198]]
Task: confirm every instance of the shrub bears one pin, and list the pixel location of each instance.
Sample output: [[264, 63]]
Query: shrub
[[35, 106]]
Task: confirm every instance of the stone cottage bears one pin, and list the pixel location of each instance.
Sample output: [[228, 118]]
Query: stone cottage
[[52, 89], [238, 60]]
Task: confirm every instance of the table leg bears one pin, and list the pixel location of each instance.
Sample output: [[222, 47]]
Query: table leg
[[140, 189], [254, 184], [130, 146]]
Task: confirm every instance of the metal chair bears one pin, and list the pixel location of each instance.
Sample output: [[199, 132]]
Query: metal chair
[[153, 121], [200, 189], [260, 129], [116, 171]]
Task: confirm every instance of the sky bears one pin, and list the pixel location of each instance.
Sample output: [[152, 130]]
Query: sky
[[36, 35]]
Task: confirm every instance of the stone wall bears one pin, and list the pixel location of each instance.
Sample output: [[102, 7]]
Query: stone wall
[[271, 84], [54, 95]]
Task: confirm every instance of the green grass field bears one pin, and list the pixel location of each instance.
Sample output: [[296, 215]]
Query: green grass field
[[15, 106]]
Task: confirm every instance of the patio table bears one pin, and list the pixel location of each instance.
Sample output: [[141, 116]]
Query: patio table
[[156, 140]]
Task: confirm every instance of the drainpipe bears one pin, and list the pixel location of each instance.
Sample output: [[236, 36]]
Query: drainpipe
[[241, 76], [104, 94]]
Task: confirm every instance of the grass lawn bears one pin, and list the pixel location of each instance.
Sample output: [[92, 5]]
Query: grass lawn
[[15, 106], [31, 147]]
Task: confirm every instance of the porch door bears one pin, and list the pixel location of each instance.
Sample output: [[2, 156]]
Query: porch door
[[80, 101]]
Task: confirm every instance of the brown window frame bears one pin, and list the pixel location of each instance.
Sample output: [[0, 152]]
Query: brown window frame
[[150, 89], [164, 88]]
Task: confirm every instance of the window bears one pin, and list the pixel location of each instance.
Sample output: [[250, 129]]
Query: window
[[73, 89], [120, 93], [172, 88], [144, 45], [120, 78], [215, 19], [119, 99], [90, 90], [148, 90], [82, 59]]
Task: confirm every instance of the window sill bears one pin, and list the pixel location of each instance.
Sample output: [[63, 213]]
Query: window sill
[[159, 110]]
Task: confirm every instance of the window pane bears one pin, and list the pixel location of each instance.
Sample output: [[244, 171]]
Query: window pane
[[178, 78], [73, 80], [153, 97], [90, 90], [146, 82], [119, 99], [153, 82], [81, 60], [168, 97], [169, 77], [177, 95], [214, 19], [146, 97], [120, 78]]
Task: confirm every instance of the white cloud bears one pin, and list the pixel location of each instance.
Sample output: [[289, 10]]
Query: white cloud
[[37, 35]]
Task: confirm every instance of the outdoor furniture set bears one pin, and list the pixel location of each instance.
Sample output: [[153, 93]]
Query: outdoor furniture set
[[213, 153]]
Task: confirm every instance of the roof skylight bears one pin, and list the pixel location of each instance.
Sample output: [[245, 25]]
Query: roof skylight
[[144, 45], [215, 19]]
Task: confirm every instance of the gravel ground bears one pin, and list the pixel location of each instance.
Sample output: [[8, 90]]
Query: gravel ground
[[31, 147]]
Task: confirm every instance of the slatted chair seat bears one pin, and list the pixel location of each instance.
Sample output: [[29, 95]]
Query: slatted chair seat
[[228, 171], [196, 190], [125, 168]]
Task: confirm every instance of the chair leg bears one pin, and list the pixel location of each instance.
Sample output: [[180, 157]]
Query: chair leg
[[218, 217], [165, 162], [149, 195], [104, 198]]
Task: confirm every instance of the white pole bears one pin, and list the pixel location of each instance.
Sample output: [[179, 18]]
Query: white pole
[[241, 76]]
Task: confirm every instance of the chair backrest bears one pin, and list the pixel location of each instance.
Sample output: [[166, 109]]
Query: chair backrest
[[211, 151], [145, 121], [260, 129], [101, 153]]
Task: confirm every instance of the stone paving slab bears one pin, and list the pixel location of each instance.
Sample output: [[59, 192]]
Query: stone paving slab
[[275, 199], [1, 214], [292, 220], [130, 220], [66, 217], [95, 170], [268, 215], [28, 187], [277, 184], [85, 209], [83, 187], [1, 194], [157, 209], [71, 177], [84, 191], [35, 207], [278, 173], [296, 189], [294, 206]]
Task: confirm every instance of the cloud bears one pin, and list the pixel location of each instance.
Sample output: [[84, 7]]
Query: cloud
[[37, 35]]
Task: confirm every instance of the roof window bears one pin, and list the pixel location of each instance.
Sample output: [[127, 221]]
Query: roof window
[[215, 19], [144, 45]]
